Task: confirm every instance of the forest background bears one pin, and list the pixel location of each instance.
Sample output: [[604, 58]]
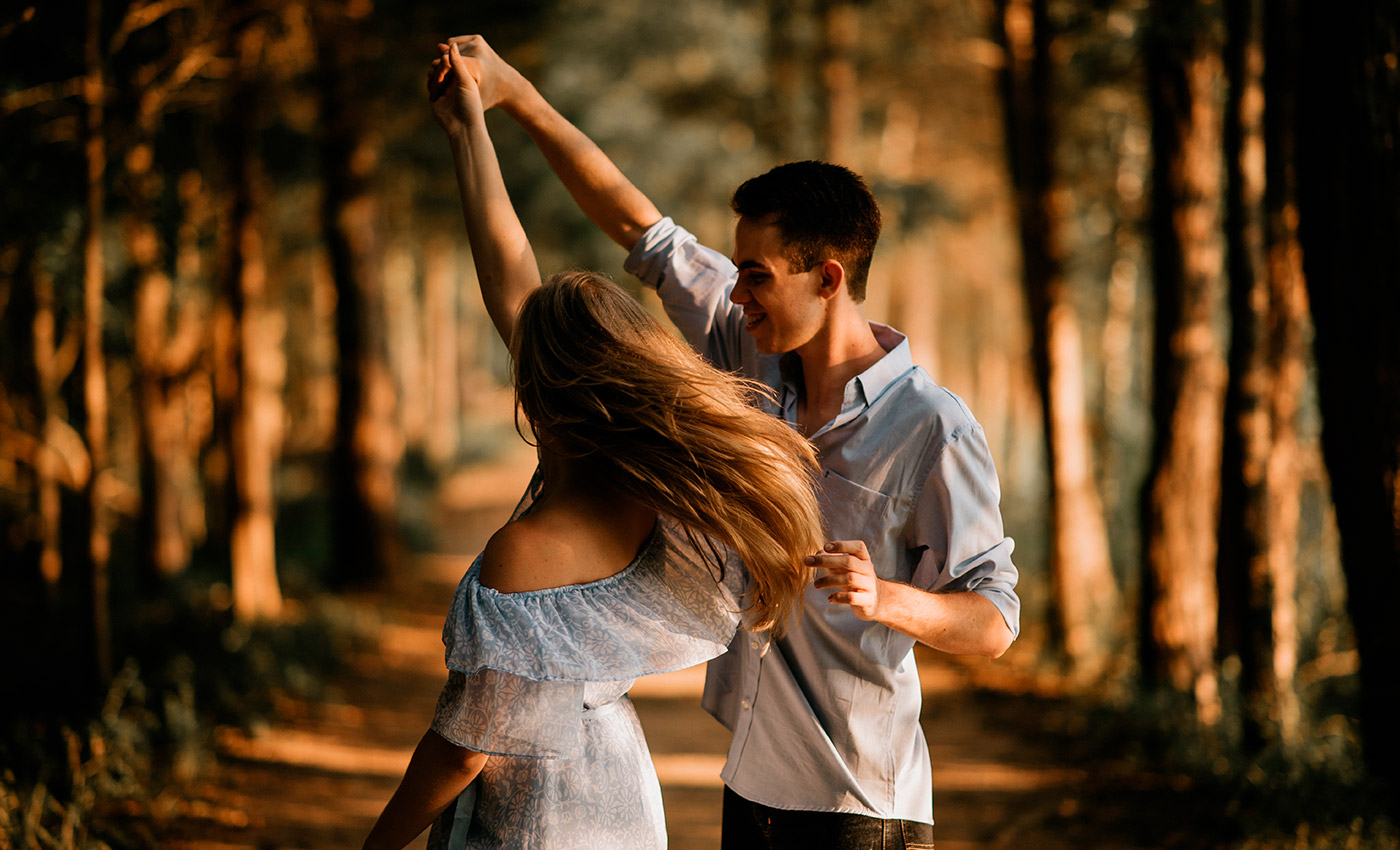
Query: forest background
[[1154, 246]]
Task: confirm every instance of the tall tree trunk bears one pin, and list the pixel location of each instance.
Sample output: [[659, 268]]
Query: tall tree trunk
[[94, 362], [158, 379], [1086, 599], [1268, 306], [47, 381], [792, 127], [441, 318], [255, 417], [841, 22], [368, 444], [1183, 497], [1348, 127]]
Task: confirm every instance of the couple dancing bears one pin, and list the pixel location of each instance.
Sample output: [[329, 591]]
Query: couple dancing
[[676, 503]]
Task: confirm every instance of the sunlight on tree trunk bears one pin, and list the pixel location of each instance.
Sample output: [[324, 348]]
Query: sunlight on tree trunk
[[1184, 493], [1083, 587], [440, 345], [1269, 307], [46, 462], [257, 412], [94, 362], [841, 24], [161, 366]]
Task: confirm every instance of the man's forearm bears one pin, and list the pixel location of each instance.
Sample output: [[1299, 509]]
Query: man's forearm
[[599, 188], [959, 623]]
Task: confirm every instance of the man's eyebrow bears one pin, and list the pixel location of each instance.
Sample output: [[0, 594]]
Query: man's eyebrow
[[751, 264]]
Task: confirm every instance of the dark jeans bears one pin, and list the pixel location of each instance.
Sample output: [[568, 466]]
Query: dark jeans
[[753, 826]]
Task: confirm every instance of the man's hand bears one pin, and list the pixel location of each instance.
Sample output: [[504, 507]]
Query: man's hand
[[500, 84], [850, 575]]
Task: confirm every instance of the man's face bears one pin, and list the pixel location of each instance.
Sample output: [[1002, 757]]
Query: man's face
[[782, 307]]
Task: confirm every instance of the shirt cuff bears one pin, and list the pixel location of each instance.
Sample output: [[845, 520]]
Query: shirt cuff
[[649, 257]]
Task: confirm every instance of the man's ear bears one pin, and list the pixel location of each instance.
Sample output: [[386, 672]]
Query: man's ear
[[833, 278]]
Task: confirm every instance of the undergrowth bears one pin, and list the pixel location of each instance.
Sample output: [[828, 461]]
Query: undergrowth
[[101, 778]]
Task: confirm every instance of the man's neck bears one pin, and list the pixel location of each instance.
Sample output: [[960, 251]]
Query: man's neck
[[844, 348]]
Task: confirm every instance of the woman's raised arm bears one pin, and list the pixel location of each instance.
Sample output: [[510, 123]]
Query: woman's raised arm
[[505, 263]]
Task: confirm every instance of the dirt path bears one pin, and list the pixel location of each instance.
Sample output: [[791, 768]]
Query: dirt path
[[318, 777]]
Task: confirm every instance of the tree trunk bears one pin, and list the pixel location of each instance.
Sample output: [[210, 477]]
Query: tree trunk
[[1183, 498], [792, 127], [47, 380], [255, 417], [158, 379], [1268, 306], [368, 444], [1348, 124], [841, 23], [1085, 595], [441, 318], [94, 362]]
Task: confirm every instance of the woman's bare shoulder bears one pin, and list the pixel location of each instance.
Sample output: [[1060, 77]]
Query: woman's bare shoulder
[[519, 556]]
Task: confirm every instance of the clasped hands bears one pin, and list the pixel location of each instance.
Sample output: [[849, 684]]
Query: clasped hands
[[478, 70]]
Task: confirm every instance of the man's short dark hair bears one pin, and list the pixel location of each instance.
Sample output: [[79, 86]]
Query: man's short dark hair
[[822, 211]]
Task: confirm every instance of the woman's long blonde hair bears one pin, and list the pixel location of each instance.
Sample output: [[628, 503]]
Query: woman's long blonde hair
[[605, 381]]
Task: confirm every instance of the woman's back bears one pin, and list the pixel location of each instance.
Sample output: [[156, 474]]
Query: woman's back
[[539, 676], [570, 536]]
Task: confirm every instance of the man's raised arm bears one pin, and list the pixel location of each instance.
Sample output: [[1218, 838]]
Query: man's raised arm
[[604, 194]]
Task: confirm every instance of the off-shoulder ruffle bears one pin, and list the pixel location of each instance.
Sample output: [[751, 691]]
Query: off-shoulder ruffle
[[663, 612]]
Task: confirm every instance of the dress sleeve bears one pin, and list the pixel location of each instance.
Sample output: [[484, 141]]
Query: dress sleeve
[[694, 283], [957, 525], [503, 714]]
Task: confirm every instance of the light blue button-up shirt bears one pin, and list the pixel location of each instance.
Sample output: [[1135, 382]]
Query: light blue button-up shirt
[[827, 718]]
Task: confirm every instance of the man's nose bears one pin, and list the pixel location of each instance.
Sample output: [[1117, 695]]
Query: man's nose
[[740, 293]]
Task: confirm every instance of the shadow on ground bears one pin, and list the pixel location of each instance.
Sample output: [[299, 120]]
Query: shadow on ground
[[319, 775]]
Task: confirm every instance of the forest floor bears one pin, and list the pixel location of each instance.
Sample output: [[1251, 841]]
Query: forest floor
[[1006, 772]]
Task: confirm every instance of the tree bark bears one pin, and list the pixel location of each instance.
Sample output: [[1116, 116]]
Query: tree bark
[[1348, 124], [161, 366], [98, 520], [1084, 590], [1183, 496], [841, 22], [792, 126], [442, 319], [1268, 306], [47, 380], [368, 444], [255, 417]]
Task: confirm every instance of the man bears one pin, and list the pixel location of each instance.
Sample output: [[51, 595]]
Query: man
[[827, 748]]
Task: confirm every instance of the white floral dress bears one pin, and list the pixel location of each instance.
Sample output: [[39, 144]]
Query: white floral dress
[[539, 681]]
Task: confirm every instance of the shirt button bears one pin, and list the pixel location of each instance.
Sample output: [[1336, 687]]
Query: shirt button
[[753, 644], [745, 704]]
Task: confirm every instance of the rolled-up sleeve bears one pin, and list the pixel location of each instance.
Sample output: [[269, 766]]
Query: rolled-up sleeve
[[694, 283], [957, 526]]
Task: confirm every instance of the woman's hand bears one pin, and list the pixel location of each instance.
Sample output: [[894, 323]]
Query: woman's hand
[[453, 91]]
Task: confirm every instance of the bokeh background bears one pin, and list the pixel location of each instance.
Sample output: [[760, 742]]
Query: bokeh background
[[1154, 245]]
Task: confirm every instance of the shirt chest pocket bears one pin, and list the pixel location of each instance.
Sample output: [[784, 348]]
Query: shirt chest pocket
[[853, 512]]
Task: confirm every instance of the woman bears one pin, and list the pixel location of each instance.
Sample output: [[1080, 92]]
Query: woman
[[646, 453]]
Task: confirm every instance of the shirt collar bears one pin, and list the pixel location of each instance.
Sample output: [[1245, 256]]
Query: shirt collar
[[861, 390]]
